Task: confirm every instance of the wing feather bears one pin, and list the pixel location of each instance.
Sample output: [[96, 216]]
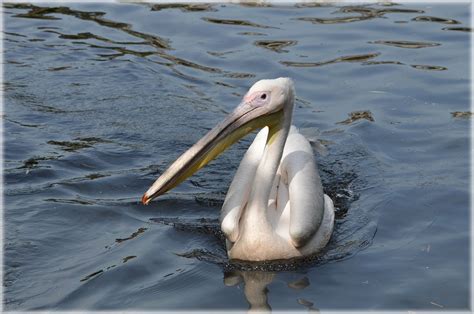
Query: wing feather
[[304, 187]]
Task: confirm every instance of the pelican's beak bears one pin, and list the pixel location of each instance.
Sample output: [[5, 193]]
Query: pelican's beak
[[243, 120]]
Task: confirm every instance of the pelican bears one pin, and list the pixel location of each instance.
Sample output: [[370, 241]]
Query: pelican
[[275, 207]]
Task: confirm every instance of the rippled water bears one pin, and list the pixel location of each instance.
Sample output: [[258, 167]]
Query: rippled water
[[100, 98]]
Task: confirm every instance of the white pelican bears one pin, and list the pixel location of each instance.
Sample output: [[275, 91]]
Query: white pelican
[[275, 207]]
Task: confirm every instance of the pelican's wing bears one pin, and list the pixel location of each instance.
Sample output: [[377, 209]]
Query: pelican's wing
[[304, 188], [239, 190]]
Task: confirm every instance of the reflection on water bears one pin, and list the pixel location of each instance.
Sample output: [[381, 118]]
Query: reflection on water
[[459, 114], [429, 67], [357, 115], [459, 29], [132, 236], [435, 19], [183, 7], [365, 13], [80, 143], [36, 12], [275, 45], [404, 44], [356, 58], [255, 285], [100, 98], [234, 22]]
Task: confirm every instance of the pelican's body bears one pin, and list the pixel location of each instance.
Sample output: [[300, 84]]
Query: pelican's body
[[264, 234], [275, 207]]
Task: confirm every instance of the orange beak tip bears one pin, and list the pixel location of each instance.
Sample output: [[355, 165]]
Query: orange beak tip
[[145, 199]]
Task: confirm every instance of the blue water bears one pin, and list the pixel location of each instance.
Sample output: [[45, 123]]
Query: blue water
[[100, 98]]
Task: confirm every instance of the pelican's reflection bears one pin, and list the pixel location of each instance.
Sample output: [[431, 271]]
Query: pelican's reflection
[[255, 288]]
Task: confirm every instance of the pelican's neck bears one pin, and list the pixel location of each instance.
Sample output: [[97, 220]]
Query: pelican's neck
[[267, 169]]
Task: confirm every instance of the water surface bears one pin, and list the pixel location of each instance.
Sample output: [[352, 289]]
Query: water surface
[[100, 98]]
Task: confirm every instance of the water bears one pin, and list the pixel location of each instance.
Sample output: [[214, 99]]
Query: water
[[100, 98]]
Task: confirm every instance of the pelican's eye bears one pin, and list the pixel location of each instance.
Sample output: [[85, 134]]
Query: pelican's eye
[[261, 98]]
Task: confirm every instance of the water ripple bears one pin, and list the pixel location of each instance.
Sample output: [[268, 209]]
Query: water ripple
[[458, 29], [275, 45], [234, 22], [99, 98], [353, 58], [365, 13], [36, 12], [198, 7], [434, 19], [405, 44], [429, 67]]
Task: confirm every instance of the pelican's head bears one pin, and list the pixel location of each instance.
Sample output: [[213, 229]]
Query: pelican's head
[[273, 95], [265, 104]]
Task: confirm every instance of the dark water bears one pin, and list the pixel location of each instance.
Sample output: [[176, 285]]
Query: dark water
[[100, 98]]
